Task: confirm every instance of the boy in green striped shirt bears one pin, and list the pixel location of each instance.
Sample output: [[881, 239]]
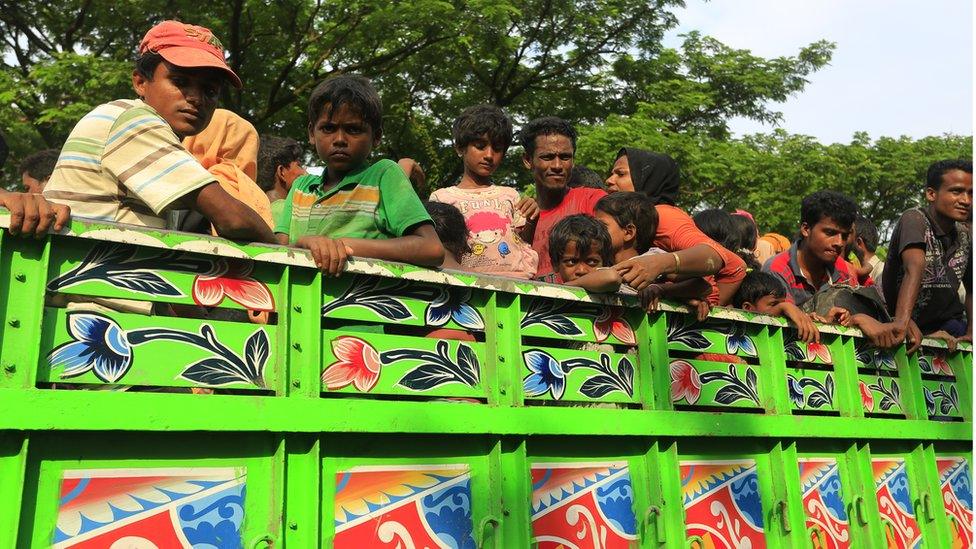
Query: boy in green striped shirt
[[354, 208]]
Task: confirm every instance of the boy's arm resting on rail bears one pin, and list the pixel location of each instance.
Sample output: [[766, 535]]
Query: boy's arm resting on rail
[[32, 214], [699, 260], [419, 246], [805, 328], [602, 280], [232, 218]]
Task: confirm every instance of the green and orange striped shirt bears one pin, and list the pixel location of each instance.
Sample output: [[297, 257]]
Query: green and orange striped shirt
[[122, 162], [375, 201]]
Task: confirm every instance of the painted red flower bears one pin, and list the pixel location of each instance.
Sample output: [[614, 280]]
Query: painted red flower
[[684, 382], [818, 350], [867, 397], [232, 280], [612, 322], [357, 363], [940, 366]]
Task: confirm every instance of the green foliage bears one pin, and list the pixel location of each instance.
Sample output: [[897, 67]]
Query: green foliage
[[599, 63], [768, 174]]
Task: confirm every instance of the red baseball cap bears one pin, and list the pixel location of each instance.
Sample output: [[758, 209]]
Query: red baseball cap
[[189, 46]]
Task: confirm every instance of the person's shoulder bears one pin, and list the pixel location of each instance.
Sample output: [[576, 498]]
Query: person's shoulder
[[778, 263], [305, 181], [667, 211], [589, 192]]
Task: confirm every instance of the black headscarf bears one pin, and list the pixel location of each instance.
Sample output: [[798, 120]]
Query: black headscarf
[[654, 174]]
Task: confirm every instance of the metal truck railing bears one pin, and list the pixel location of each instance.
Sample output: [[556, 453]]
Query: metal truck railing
[[396, 406]]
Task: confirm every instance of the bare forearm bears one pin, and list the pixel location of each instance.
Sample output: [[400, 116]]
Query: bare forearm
[[699, 260], [693, 288], [412, 248], [908, 293], [600, 280], [243, 223], [726, 291]]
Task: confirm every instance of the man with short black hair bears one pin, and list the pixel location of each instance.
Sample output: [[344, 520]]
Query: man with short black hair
[[816, 259], [549, 145], [36, 169], [930, 256]]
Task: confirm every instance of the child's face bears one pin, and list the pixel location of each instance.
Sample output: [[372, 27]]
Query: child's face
[[481, 158], [619, 236], [763, 305], [185, 98], [574, 264], [342, 139]]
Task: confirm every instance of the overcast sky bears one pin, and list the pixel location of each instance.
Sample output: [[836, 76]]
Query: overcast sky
[[901, 67]]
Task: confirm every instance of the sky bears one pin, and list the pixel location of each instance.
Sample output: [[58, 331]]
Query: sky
[[901, 67]]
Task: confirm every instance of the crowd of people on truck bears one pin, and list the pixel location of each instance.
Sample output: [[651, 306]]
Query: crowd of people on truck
[[171, 159]]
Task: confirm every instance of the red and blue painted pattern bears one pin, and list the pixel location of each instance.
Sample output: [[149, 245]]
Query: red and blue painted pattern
[[957, 495], [895, 503], [151, 508], [582, 506], [823, 504], [404, 507], [722, 504]]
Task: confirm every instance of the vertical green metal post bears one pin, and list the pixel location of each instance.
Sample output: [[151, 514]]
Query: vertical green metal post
[[846, 389], [660, 373], [13, 464]]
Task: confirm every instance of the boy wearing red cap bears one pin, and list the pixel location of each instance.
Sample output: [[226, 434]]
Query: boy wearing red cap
[[124, 162]]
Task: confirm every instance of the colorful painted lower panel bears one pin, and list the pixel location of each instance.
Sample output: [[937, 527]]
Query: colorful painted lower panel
[[409, 506], [895, 503], [582, 506], [823, 503], [956, 484], [722, 505], [162, 508]]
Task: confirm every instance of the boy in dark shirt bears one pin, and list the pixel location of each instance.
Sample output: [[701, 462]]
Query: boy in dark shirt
[[930, 255]]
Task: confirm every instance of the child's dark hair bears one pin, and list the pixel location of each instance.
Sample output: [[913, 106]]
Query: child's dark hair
[[585, 231], [933, 178], [832, 204], [274, 151], [450, 228], [40, 165], [547, 125], [585, 177], [475, 122], [756, 285], [146, 64], [632, 209], [747, 236], [867, 232], [353, 90], [718, 225]]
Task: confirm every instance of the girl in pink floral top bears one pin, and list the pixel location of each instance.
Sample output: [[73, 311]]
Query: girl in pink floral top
[[493, 214]]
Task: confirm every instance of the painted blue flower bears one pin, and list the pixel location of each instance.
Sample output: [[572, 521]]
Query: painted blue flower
[[739, 341], [547, 375], [453, 305], [99, 345], [929, 401], [796, 391]]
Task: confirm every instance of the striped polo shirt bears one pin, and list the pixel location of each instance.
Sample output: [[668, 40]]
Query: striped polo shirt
[[122, 162], [375, 201]]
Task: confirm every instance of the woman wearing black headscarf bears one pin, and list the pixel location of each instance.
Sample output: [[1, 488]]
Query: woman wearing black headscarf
[[693, 254]]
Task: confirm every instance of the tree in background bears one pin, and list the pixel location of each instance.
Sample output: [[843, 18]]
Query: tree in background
[[599, 63]]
